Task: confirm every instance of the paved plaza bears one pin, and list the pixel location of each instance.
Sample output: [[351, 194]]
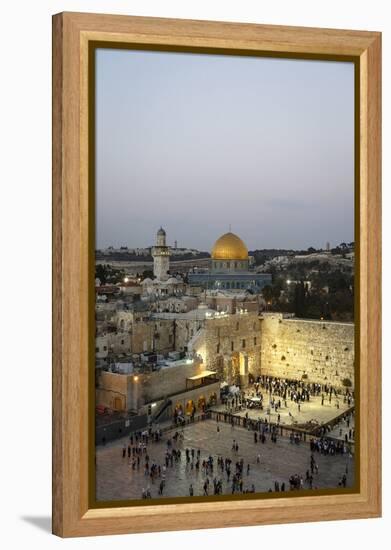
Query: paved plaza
[[116, 480]]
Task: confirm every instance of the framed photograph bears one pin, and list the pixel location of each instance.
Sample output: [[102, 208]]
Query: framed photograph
[[216, 274]]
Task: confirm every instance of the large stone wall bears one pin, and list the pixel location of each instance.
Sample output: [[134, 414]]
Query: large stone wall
[[317, 351], [224, 339]]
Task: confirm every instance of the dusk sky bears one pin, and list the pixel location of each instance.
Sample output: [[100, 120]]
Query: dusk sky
[[197, 142]]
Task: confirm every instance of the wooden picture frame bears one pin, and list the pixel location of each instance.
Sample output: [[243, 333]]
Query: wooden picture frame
[[73, 34]]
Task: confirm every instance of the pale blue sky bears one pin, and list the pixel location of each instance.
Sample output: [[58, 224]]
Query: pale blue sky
[[197, 142]]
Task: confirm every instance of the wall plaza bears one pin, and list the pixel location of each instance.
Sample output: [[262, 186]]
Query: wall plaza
[[175, 349]]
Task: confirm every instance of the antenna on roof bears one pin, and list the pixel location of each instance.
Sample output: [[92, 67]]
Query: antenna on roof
[[230, 228]]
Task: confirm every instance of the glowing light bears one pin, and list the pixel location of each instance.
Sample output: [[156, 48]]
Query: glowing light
[[288, 282], [135, 378], [126, 279]]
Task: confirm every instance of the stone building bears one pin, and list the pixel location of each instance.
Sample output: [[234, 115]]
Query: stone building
[[145, 333], [115, 343], [131, 288], [183, 385], [229, 345], [155, 289], [230, 302], [175, 304]]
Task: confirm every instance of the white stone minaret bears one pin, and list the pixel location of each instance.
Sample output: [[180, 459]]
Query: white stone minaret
[[161, 256]]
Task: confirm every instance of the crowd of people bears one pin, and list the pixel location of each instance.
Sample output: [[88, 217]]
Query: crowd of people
[[216, 475], [285, 399], [280, 390], [213, 471], [327, 446]]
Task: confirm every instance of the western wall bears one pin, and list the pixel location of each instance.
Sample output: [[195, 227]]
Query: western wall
[[317, 351]]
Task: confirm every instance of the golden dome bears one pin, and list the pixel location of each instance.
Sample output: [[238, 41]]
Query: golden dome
[[229, 247]]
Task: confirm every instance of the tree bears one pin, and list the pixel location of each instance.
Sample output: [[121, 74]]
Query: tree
[[108, 275], [299, 299], [100, 273], [267, 293], [148, 273]]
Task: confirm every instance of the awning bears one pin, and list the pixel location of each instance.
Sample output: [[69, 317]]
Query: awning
[[203, 374]]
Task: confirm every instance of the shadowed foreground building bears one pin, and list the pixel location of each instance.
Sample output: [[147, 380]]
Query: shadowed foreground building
[[182, 385]]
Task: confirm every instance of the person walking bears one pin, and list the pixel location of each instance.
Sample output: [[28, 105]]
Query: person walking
[[161, 487]]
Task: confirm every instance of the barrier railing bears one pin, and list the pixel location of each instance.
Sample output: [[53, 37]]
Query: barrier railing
[[271, 427]]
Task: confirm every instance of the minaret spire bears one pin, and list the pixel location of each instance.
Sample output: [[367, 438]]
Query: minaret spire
[[161, 256]]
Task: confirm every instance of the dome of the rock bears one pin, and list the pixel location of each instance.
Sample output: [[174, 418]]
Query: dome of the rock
[[229, 247]]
